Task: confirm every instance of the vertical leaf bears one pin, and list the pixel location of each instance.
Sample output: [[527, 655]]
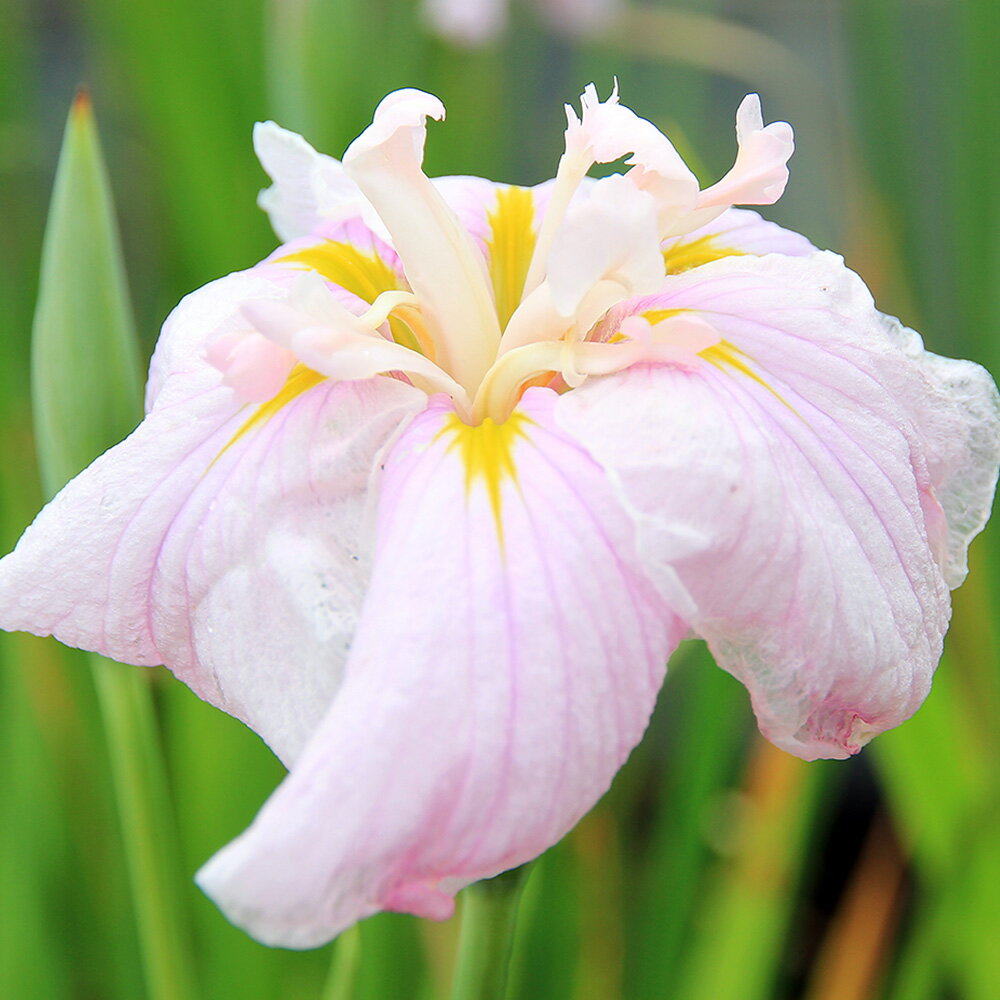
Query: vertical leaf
[[86, 393], [84, 371]]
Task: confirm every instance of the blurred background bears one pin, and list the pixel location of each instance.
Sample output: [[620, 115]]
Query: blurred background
[[717, 867]]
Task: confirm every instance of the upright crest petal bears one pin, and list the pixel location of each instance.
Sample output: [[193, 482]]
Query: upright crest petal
[[610, 237], [608, 131], [440, 260]]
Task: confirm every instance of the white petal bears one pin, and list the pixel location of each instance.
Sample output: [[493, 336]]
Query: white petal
[[309, 188], [610, 236], [956, 409], [234, 553], [442, 264]]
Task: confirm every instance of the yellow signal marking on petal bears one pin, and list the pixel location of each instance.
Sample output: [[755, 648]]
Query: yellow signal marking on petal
[[487, 451], [725, 355], [683, 256], [511, 244], [651, 316], [366, 275], [299, 381], [654, 316]]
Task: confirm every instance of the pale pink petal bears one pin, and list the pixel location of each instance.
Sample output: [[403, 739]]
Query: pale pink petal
[[259, 578], [309, 188], [506, 662], [787, 483], [607, 131], [760, 173], [255, 367], [741, 231], [75, 572], [955, 407], [237, 555], [180, 363]]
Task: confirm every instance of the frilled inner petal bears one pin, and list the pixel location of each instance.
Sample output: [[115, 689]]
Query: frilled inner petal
[[760, 173], [506, 662], [786, 480], [227, 542]]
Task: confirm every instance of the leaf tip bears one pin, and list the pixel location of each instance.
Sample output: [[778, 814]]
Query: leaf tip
[[82, 105]]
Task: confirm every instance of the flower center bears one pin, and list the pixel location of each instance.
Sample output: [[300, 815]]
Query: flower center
[[483, 310], [537, 346], [537, 343]]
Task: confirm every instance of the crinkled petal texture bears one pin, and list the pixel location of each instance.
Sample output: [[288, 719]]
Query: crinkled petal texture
[[507, 659], [794, 481], [190, 540]]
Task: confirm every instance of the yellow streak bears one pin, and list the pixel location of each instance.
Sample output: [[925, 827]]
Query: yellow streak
[[299, 381], [725, 355], [487, 450], [511, 244], [366, 275], [683, 256], [654, 316]]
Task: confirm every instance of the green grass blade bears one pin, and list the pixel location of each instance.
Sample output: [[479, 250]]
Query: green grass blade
[[85, 369], [489, 916], [745, 917], [706, 723]]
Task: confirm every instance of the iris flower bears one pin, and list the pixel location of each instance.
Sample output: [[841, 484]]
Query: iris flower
[[428, 497], [477, 22]]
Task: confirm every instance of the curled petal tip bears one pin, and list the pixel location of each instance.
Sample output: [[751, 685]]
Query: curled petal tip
[[407, 108], [749, 116], [760, 173]]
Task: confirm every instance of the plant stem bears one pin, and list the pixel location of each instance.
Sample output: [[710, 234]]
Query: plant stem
[[341, 983], [147, 830], [489, 915]]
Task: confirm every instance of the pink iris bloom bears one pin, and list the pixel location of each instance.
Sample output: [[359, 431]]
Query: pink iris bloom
[[477, 22], [428, 497]]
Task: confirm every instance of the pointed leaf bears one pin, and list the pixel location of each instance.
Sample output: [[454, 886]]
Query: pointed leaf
[[85, 373]]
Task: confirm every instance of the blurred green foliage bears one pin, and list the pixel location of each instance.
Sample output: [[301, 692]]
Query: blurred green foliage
[[717, 867]]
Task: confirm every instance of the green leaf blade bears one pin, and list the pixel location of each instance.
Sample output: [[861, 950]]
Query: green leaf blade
[[85, 373]]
